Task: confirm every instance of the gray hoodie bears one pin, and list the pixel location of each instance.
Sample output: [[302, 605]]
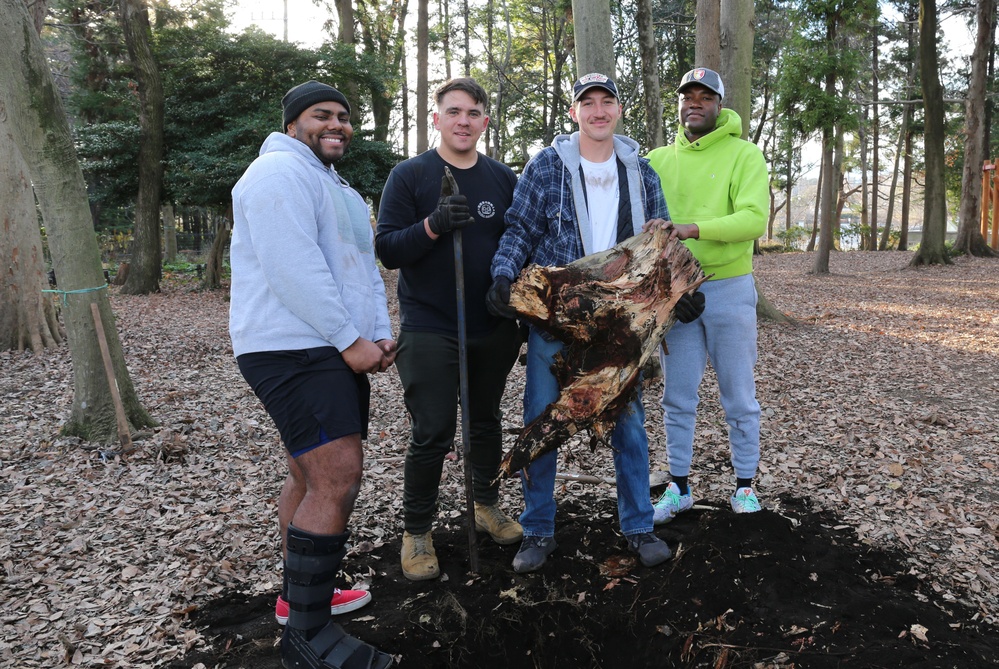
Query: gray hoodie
[[303, 263], [626, 150]]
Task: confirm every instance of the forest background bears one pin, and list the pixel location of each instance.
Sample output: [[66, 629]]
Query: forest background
[[221, 90]]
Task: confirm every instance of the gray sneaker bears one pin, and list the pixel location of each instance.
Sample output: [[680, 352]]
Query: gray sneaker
[[533, 553], [651, 550]]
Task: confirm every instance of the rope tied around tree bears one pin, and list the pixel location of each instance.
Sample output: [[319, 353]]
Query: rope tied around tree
[[64, 293]]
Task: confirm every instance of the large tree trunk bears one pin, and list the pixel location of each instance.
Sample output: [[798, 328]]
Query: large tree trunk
[[707, 36], [33, 108], [147, 257], [737, 31], [650, 73], [611, 310], [27, 317], [969, 234], [591, 24], [931, 248]]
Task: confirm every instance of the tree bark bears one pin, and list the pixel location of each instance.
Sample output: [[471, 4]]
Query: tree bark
[[931, 247], [650, 73], [28, 318], [591, 23], [30, 102], [826, 206], [147, 257], [708, 36], [169, 232], [612, 310], [737, 32], [422, 75], [213, 268], [969, 234]]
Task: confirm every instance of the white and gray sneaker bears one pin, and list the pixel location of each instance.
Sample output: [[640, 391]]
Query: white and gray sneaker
[[672, 503]]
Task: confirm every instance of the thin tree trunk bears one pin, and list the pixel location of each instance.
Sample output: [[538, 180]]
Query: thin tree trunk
[[422, 75], [892, 192], [650, 73], [147, 257], [33, 108], [169, 232], [815, 210], [875, 141], [903, 232]]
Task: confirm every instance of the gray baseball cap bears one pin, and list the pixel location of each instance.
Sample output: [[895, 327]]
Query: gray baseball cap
[[705, 77]]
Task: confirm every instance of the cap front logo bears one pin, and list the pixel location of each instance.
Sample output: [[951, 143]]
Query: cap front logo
[[594, 78], [698, 74]]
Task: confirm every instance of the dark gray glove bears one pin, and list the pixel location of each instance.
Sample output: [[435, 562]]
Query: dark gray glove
[[451, 214], [498, 298], [689, 307]]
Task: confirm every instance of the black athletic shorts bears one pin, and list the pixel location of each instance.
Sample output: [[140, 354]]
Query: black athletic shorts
[[312, 395]]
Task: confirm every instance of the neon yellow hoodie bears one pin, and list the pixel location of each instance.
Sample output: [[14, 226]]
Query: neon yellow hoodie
[[719, 182]]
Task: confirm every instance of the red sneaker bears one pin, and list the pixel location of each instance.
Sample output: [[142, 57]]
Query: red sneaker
[[344, 601]]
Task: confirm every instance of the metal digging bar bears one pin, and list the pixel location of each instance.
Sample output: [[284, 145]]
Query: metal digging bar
[[466, 448]]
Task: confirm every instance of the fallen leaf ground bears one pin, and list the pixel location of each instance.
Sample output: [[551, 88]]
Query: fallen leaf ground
[[877, 548]]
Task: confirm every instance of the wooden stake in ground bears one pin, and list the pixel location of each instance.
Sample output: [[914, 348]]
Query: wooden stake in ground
[[124, 434], [612, 310]]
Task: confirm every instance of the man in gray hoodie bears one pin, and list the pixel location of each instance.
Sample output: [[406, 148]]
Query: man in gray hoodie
[[581, 195], [308, 320]]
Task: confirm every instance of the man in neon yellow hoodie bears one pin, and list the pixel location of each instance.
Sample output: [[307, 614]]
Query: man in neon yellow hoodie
[[718, 192]]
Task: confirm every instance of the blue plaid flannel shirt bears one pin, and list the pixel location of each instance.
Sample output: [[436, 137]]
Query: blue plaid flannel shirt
[[541, 223]]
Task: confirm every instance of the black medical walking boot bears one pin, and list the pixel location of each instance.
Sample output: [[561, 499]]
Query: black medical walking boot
[[310, 640]]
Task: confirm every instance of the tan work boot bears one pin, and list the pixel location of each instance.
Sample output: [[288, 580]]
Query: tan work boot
[[503, 529], [419, 561]]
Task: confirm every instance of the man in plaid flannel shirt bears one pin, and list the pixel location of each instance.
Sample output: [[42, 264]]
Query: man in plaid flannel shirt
[[581, 195]]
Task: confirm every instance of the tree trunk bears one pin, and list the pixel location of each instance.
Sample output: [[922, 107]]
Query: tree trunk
[[931, 248], [169, 232], [33, 108], [903, 229], [346, 35], [708, 36], [900, 149], [737, 32], [216, 257], [28, 318], [650, 73], [969, 234], [422, 75], [147, 258], [591, 23], [875, 141], [826, 206], [818, 204]]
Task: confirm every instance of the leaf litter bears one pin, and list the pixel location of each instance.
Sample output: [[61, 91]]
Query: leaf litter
[[878, 474]]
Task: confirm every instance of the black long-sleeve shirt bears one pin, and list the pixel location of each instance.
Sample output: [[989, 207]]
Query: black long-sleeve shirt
[[426, 279]]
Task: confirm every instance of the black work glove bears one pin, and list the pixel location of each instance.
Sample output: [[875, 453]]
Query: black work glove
[[689, 307], [498, 298], [451, 214]]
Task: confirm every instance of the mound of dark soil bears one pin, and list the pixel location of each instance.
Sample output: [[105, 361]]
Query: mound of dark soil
[[780, 588]]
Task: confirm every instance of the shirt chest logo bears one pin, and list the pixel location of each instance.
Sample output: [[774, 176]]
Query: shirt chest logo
[[486, 209]]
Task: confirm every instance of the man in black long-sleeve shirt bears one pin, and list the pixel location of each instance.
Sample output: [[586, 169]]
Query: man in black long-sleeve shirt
[[414, 234]]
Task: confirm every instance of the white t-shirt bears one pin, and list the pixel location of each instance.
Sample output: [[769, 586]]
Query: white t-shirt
[[602, 194]]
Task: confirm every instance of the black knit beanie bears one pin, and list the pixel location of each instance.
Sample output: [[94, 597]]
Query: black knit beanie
[[303, 96]]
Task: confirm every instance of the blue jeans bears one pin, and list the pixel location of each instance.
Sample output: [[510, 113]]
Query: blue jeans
[[725, 333], [629, 441]]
